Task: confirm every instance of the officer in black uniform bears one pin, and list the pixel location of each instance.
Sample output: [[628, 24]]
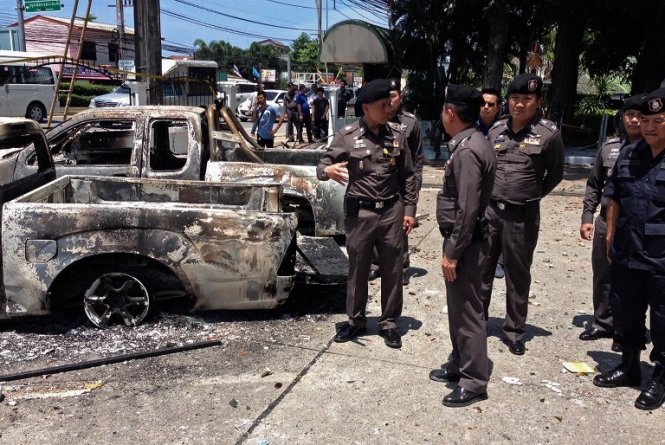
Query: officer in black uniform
[[467, 186], [530, 164], [603, 323], [372, 155], [636, 238]]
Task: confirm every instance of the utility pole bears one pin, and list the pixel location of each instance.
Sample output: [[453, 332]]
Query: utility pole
[[319, 13], [148, 43], [120, 21], [21, 25]]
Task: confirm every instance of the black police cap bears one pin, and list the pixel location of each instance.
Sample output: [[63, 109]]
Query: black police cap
[[526, 83], [373, 91], [395, 85], [654, 102], [633, 102], [463, 95]]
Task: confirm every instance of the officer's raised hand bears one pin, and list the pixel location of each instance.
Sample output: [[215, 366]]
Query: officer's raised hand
[[338, 172]]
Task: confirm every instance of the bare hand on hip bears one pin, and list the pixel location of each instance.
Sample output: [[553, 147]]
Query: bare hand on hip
[[338, 172]]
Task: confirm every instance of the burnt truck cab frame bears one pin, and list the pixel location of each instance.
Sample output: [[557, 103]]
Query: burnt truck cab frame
[[188, 143]]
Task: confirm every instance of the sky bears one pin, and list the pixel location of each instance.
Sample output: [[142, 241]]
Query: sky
[[184, 21]]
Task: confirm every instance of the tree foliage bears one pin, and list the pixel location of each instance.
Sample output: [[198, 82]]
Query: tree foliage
[[305, 54], [470, 42], [226, 55]]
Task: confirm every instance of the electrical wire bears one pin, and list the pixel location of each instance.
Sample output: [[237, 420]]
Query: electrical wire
[[217, 27], [358, 13], [194, 5], [291, 4]]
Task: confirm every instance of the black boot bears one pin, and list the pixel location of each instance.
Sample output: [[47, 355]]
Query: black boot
[[654, 394], [628, 373]]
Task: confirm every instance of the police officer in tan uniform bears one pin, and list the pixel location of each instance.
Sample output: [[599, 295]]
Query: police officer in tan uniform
[[603, 320], [467, 186], [530, 164], [373, 157], [409, 124]]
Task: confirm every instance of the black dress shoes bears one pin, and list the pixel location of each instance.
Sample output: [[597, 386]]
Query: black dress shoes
[[373, 275], [391, 338], [594, 334], [443, 375], [463, 397], [653, 396], [619, 376], [405, 278], [516, 347], [348, 332]]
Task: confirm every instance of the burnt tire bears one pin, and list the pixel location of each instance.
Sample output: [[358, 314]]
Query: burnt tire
[[36, 111], [118, 296]]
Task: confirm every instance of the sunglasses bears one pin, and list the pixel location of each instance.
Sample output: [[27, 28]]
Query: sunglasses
[[490, 104]]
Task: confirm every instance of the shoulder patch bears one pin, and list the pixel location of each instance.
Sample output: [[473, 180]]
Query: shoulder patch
[[612, 141], [396, 126], [499, 122], [411, 115], [548, 124]]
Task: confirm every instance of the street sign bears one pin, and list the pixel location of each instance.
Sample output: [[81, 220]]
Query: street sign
[[42, 5]]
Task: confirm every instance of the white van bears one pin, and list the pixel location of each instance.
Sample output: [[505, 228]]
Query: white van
[[242, 90], [26, 88]]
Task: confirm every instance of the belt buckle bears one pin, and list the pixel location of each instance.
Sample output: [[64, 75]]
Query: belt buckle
[[380, 204], [501, 205]]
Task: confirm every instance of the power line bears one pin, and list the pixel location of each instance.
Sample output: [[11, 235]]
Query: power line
[[194, 5], [217, 27], [291, 4], [358, 13]]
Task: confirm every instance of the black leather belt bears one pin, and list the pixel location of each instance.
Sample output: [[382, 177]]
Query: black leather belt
[[364, 204], [503, 205], [603, 212]]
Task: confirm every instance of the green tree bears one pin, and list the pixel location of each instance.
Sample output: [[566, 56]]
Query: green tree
[[305, 54]]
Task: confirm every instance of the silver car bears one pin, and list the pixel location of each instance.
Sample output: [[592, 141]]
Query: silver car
[[120, 97]]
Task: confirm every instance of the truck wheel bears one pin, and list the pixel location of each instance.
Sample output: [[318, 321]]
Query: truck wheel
[[117, 294], [36, 111]]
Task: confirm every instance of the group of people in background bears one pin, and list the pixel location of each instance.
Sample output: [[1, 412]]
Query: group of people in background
[[303, 116], [498, 171]]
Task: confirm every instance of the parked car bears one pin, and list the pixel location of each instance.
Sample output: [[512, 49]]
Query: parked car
[[174, 92], [243, 91], [120, 97], [273, 97]]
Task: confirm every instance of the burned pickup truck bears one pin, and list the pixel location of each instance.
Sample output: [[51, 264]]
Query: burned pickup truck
[[117, 245], [188, 143]]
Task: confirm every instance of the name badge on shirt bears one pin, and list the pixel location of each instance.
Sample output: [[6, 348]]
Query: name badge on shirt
[[535, 140], [359, 143]]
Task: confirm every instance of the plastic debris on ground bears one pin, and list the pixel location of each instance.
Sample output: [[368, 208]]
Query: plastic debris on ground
[[578, 367], [554, 386], [512, 380]]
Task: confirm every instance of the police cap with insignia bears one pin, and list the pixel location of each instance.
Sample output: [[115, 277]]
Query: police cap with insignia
[[395, 85], [466, 96], [654, 102], [526, 83], [463, 95], [373, 91], [633, 102]]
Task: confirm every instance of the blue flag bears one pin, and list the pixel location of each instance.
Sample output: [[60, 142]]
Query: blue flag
[[256, 73]]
